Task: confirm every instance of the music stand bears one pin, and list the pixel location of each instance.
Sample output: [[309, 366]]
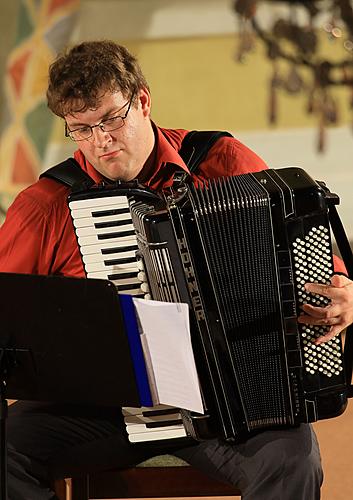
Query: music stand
[[63, 340]]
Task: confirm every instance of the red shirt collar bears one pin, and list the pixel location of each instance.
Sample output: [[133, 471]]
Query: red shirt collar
[[167, 145]]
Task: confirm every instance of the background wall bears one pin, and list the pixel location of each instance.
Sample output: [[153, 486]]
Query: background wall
[[187, 50], [8, 16]]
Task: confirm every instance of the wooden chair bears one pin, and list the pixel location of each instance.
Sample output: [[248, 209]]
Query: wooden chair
[[151, 479]]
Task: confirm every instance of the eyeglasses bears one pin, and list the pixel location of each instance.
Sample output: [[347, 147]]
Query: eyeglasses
[[108, 125]]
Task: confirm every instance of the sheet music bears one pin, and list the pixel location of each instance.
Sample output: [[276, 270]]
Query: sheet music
[[166, 330], [149, 368]]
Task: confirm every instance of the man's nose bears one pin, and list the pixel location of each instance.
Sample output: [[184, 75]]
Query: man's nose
[[100, 137]]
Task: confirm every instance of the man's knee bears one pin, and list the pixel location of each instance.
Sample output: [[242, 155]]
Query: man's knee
[[293, 451], [283, 465]]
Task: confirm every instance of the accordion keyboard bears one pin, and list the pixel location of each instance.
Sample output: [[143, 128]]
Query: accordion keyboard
[[107, 241], [152, 424], [108, 246]]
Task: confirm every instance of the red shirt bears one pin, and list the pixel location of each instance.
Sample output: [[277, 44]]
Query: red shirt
[[37, 236]]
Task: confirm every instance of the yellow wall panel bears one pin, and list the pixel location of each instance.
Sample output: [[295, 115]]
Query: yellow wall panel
[[197, 83]]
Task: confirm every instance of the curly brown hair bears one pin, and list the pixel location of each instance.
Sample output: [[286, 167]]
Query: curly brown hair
[[80, 77]]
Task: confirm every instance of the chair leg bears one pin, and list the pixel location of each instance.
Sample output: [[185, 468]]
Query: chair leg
[[80, 488], [63, 488]]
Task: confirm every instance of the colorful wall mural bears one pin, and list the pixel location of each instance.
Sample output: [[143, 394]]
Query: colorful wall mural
[[43, 28]]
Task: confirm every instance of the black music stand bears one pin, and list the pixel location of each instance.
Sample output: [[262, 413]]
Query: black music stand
[[63, 340]]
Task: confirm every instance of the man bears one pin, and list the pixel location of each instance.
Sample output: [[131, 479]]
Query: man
[[100, 92]]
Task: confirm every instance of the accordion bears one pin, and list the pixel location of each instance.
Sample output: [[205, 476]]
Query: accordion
[[238, 250]]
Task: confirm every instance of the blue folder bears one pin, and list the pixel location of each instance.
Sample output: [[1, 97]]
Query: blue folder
[[138, 360]]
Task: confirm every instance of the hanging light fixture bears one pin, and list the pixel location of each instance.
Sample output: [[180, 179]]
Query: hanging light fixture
[[292, 34]]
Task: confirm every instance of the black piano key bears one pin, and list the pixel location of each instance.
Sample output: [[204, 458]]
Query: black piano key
[[121, 288], [115, 211], [119, 234], [166, 423], [157, 413], [122, 276], [112, 223], [125, 260], [107, 251]]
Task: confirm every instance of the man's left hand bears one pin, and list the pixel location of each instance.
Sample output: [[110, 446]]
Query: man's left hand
[[338, 314]]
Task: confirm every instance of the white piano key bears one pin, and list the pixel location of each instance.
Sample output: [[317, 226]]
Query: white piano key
[[98, 211], [105, 201], [104, 275], [134, 292], [93, 240], [139, 428], [99, 257], [93, 221], [92, 267], [141, 419], [102, 245], [88, 231], [157, 435]]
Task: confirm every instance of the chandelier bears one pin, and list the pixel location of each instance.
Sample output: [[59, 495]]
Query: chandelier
[[292, 36]]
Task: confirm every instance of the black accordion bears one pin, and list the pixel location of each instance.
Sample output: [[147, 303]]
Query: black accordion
[[239, 250]]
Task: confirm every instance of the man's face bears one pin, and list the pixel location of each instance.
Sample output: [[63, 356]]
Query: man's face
[[118, 154]]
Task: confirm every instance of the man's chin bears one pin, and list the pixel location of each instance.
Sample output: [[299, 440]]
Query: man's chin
[[119, 178], [115, 172]]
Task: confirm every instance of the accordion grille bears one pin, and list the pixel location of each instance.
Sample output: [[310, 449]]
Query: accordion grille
[[235, 225]]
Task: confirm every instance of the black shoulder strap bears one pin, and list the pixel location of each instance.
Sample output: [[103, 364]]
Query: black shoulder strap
[[70, 173], [193, 151], [196, 145], [347, 257]]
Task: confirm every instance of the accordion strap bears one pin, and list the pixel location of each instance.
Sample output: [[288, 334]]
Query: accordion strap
[[70, 173], [347, 257], [196, 145], [193, 151], [194, 148]]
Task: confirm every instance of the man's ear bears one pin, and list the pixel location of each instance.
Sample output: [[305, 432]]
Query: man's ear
[[145, 101]]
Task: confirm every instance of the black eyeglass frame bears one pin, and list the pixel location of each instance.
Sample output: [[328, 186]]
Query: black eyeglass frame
[[101, 123]]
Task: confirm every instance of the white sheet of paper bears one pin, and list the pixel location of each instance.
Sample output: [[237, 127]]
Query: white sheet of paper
[[167, 330]]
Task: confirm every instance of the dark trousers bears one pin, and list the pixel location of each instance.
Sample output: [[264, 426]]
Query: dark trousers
[[52, 441]]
